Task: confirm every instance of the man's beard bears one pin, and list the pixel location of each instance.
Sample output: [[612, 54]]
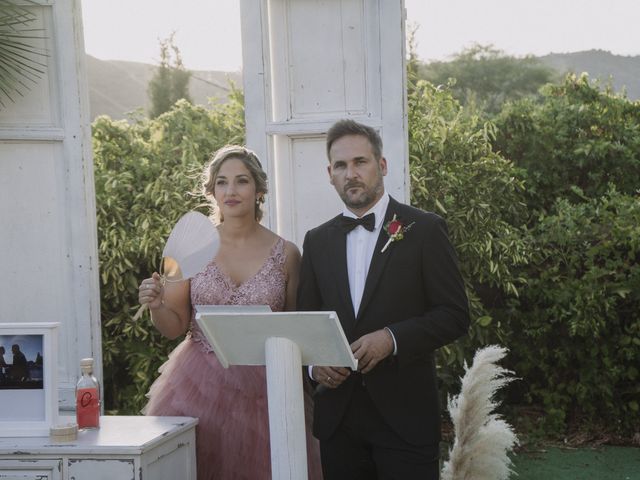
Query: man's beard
[[365, 199]]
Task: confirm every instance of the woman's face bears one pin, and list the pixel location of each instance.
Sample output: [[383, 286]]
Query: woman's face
[[235, 189]]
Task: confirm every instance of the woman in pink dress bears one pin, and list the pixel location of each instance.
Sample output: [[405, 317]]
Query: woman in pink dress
[[254, 266]]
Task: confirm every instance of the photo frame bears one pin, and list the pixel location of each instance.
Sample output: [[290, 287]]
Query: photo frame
[[28, 379]]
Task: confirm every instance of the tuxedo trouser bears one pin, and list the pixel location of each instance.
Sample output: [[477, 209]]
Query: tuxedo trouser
[[364, 447]]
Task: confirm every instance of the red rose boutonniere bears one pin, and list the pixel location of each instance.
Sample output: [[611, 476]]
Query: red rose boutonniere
[[396, 229]]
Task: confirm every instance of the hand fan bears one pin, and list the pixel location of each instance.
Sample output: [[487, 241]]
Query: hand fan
[[192, 244]]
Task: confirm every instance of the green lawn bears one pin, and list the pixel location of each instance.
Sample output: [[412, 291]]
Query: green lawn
[[601, 463]]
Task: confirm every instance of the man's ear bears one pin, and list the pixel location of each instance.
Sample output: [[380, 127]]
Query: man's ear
[[329, 172], [383, 165]]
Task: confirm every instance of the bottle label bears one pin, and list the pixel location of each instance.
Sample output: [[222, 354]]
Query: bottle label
[[88, 408]]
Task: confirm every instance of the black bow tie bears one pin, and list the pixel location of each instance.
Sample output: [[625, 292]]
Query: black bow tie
[[349, 223]]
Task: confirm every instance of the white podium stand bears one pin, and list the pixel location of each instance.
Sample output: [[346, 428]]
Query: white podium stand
[[283, 341]]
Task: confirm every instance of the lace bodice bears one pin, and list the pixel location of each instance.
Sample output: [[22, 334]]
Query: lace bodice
[[267, 286]]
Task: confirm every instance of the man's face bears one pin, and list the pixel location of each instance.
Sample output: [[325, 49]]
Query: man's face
[[355, 172]]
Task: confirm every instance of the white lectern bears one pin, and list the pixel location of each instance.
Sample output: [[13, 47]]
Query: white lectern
[[283, 341]]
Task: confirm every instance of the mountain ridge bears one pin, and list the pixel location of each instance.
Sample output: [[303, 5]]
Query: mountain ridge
[[622, 70], [118, 87]]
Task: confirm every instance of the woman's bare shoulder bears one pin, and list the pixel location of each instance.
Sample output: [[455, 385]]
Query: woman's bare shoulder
[[291, 250]]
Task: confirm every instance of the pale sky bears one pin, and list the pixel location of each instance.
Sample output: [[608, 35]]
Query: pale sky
[[208, 31]]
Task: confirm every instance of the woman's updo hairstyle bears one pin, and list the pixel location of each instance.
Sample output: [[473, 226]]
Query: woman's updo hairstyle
[[250, 160]]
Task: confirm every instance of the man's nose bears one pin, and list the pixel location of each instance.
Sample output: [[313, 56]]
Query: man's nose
[[351, 171]]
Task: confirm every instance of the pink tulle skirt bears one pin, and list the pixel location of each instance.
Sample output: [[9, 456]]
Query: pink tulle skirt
[[232, 436]]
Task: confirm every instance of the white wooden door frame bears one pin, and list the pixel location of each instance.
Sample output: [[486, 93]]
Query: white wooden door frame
[[280, 124], [47, 199]]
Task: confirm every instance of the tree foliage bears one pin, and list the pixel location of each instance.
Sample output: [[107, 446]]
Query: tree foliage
[[170, 82], [560, 293], [575, 330], [144, 176], [576, 135], [485, 78], [455, 173]]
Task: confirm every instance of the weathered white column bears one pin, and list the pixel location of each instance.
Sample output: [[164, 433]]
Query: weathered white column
[[286, 410]]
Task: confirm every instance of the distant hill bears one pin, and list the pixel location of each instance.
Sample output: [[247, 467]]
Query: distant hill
[[117, 87], [599, 64]]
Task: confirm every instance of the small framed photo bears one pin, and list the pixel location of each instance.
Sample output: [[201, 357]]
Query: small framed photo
[[28, 379]]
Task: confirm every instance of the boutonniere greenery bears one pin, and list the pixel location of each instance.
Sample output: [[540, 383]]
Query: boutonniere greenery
[[396, 229]]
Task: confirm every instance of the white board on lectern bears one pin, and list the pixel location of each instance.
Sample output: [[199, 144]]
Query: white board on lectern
[[238, 334]]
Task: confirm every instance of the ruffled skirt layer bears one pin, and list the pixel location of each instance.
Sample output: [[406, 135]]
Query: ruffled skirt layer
[[232, 436]]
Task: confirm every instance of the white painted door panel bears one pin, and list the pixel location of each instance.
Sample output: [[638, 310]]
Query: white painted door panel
[[308, 63], [48, 239]]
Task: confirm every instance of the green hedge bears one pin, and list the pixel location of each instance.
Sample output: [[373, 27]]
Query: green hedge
[[562, 293], [456, 173], [576, 136], [145, 176], [575, 331]]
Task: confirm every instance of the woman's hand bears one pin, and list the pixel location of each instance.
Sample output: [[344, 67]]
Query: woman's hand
[[150, 291]]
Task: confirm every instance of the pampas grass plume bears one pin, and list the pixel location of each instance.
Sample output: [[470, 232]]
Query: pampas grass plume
[[482, 438]]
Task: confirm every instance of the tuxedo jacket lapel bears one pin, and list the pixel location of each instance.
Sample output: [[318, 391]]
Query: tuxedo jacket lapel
[[338, 250], [378, 260]]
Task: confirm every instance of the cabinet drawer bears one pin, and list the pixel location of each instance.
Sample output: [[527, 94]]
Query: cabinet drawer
[[31, 469], [101, 469]]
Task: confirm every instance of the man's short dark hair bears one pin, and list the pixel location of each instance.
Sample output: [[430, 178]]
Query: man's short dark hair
[[346, 127]]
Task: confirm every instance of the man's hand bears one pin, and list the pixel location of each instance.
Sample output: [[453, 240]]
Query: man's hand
[[330, 377], [372, 348]]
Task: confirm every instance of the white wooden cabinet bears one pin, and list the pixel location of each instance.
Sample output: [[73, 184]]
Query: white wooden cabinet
[[124, 448]]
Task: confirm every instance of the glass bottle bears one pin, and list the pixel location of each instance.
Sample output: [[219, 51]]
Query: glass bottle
[[87, 397]]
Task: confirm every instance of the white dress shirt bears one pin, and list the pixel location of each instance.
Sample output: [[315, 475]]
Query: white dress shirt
[[361, 244]]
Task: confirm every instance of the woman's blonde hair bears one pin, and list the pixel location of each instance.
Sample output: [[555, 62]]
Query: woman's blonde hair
[[250, 160]]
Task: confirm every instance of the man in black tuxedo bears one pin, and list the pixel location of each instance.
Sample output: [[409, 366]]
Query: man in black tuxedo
[[391, 274]]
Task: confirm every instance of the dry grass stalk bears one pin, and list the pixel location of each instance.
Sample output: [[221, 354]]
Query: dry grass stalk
[[482, 438]]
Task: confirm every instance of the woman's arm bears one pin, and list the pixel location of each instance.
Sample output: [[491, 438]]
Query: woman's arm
[[292, 269], [169, 304]]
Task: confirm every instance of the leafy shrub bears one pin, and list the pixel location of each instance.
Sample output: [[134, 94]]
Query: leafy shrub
[[575, 136], [563, 295], [455, 173], [485, 77], [575, 331], [144, 175]]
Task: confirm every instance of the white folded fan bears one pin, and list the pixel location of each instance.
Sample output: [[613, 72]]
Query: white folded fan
[[192, 244]]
